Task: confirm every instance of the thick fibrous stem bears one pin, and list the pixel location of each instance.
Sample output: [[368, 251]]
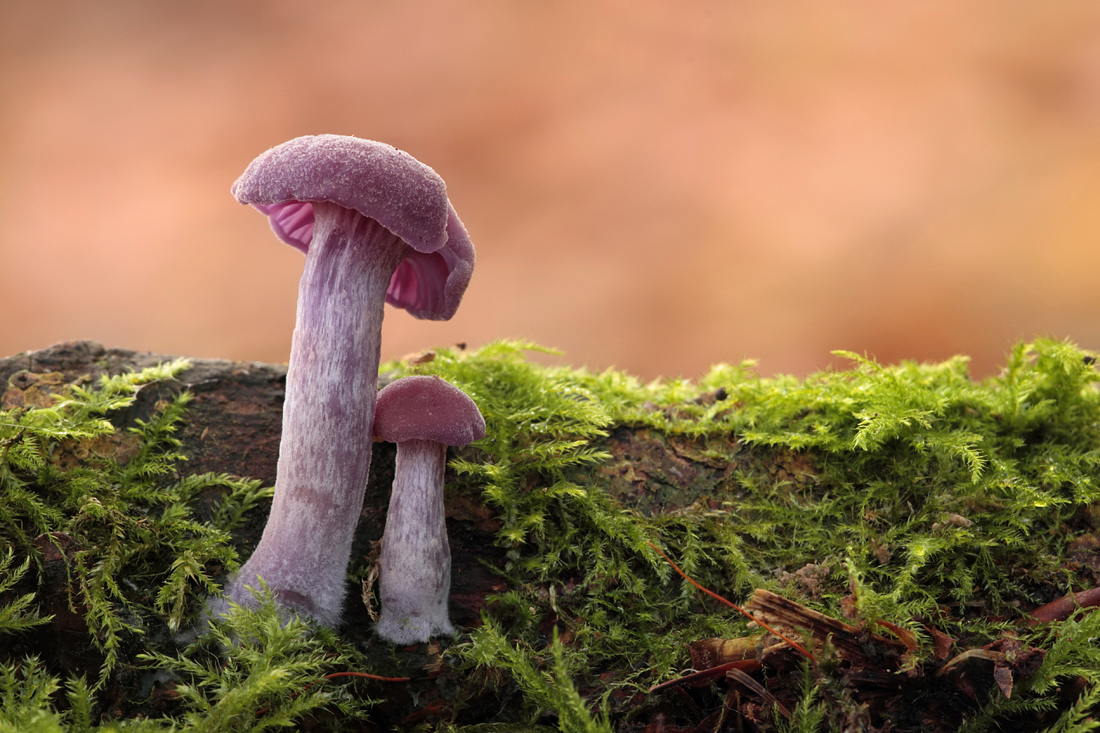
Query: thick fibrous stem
[[324, 454], [415, 567]]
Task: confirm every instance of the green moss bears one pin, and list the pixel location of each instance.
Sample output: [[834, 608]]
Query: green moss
[[920, 488], [272, 677], [19, 614], [114, 511], [908, 493], [122, 522]]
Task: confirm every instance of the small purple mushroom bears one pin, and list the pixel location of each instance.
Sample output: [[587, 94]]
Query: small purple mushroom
[[376, 226], [423, 415]]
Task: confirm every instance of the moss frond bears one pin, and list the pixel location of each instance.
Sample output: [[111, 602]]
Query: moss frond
[[255, 670], [113, 505], [17, 615]]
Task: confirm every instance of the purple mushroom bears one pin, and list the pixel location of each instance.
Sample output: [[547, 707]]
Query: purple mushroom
[[376, 226], [423, 415]]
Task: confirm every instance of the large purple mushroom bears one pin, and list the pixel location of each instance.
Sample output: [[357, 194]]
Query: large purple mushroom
[[423, 415], [376, 226]]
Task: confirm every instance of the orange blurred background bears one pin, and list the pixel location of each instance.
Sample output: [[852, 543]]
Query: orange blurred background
[[650, 185]]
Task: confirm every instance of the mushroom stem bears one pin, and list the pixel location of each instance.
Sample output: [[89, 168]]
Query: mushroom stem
[[325, 449], [415, 568]]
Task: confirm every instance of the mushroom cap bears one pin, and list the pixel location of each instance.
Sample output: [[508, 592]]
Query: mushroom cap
[[426, 408], [382, 183]]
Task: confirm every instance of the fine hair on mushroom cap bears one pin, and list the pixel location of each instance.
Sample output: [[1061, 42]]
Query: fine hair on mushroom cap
[[427, 408]]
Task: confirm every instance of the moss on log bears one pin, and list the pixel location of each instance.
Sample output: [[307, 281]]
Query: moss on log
[[910, 497]]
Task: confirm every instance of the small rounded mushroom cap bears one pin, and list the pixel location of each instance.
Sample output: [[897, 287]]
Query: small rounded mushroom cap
[[382, 183], [426, 408]]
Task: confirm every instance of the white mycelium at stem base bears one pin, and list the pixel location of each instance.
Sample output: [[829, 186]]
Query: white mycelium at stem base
[[325, 451], [415, 567]]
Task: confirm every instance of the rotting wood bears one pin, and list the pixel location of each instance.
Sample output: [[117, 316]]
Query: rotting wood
[[852, 644]]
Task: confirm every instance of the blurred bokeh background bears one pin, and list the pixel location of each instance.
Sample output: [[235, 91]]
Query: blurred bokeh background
[[651, 185]]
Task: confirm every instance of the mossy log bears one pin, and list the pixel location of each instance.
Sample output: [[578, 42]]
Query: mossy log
[[907, 496], [234, 423], [233, 427]]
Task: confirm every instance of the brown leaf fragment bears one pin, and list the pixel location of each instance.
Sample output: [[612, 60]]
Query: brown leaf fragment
[[941, 643], [1003, 676], [905, 636]]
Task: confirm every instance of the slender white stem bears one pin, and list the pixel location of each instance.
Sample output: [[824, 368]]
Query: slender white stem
[[414, 575], [324, 453]]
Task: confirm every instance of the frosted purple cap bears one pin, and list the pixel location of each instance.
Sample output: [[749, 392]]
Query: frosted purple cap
[[382, 183], [426, 408]]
